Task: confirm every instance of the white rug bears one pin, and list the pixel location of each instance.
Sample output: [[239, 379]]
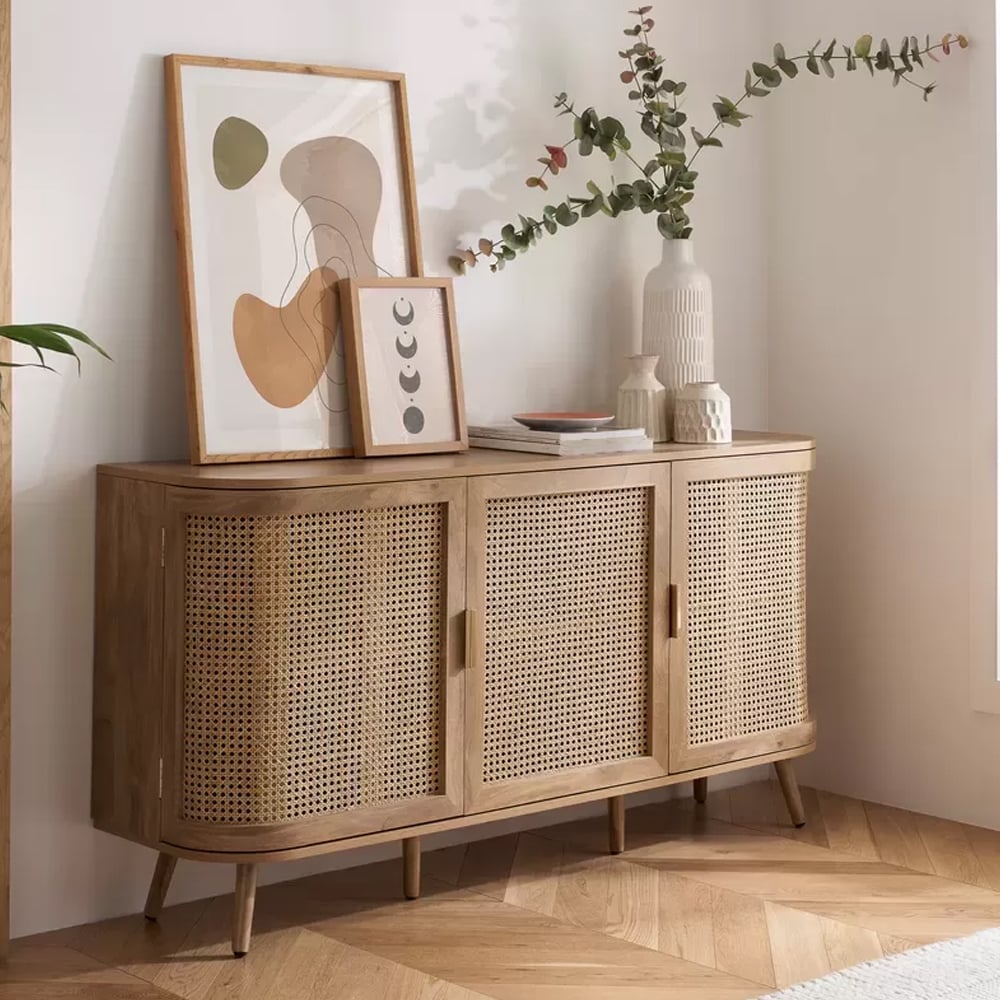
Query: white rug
[[967, 969]]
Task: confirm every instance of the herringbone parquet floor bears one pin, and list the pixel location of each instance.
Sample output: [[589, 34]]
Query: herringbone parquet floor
[[723, 901]]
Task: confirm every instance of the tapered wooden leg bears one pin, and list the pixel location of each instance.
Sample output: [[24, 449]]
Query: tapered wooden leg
[[701, 790], [162, 874], [616, 824], [411, 867], [246, 893], [790, 789]]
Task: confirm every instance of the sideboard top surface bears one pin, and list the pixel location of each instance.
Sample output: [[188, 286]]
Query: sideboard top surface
[[475, 462]]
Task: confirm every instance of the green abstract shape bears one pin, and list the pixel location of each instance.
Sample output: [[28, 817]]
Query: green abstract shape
[[239, 151]]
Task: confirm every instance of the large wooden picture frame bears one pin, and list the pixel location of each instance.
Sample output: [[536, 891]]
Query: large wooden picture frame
[[287, 178], [404, 372]]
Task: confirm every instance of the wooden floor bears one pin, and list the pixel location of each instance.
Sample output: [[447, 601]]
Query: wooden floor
[[722, 901]]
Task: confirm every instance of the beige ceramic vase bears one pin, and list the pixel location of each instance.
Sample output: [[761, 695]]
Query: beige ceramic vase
[[703, 414], [642, 399]]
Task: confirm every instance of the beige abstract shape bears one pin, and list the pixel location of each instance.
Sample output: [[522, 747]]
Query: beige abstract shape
[[338, 183], [285, 351]]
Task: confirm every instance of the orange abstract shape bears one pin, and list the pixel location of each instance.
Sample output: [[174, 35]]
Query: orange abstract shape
[[285, 350]]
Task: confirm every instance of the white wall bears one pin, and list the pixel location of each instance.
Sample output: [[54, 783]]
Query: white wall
[[94, 248], [883, 334]]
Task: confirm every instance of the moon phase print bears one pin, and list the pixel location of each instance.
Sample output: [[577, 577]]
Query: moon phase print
[[404, 378]]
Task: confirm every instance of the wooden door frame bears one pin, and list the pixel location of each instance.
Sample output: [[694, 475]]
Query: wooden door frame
[[5, 477]]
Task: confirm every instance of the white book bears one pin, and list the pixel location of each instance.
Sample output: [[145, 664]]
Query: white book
[[573, 444], [517, 432]]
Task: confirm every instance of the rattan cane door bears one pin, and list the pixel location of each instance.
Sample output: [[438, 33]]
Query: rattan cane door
[[738, 562], [567, 584], [314, 674]]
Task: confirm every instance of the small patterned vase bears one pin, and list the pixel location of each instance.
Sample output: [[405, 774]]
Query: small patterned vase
[[703, 415], [642, 399]]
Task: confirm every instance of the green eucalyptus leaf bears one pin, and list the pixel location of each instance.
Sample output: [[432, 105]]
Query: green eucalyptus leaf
[[770, 77], [702, 140], [863, 46], [827, 67], [671, 159], [830, 49], [789, 68], [812, 64]]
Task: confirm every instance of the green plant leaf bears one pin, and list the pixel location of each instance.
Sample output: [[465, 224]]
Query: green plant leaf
[[67, 331], [40, 339], [789, 68], [771, 77], [827, 67], [666, 226], [671, 158], [702, 140], [863, 46], [830, 49], [812, 64], [586, 146]]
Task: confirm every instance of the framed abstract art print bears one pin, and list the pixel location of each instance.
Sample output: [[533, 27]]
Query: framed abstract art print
[[287, 179], [403, 367]]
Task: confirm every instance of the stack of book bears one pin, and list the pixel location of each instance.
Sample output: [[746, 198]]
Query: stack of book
[[513, 437]]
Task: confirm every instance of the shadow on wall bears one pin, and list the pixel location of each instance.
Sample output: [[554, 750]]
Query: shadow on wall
[[473, 154]]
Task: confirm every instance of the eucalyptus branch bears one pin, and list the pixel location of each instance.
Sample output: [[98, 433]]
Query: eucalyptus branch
[[663, 121], [766, 77]]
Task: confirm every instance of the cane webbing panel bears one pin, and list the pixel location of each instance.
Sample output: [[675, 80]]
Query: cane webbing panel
[[566, 631], [312, 675], [746, 606]]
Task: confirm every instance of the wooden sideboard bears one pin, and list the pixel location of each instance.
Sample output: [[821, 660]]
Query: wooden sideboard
[[298, 658]]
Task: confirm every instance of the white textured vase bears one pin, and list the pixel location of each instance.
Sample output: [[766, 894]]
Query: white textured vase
[[642, 399], [677, 320], [703, 415]]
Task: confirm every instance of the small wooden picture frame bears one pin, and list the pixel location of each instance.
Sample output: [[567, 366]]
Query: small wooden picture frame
[[404, 375]]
